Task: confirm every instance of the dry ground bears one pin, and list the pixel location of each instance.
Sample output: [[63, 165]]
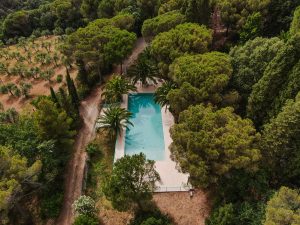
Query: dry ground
[[39, 86]]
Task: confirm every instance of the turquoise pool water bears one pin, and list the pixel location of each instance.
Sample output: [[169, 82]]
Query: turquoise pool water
[[147, 133]]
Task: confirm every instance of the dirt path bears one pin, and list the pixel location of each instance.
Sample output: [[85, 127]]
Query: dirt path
[[89, 111]]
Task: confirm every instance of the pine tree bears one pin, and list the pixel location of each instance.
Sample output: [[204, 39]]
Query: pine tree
[[82, 72], [72, 90], [54, 97]]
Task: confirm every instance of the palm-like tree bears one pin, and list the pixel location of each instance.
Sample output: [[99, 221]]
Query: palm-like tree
[[115, 88], [116, 119], [143, 70], [160, 96]]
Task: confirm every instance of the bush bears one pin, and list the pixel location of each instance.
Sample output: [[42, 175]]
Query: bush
[[45, 33], [85, 220], [59, 78], [51, 205], [92, 149], [84, 205], [150, 218]]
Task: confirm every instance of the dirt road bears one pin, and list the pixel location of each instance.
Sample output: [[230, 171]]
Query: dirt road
[[89, 111]]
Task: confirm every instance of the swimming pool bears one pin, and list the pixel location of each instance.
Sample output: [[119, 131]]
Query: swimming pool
[[146, 135]]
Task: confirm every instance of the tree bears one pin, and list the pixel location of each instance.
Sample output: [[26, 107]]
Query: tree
[[53, 96], [295, 26], [224, 215], [210, 143], [269, 93], [198, 11], [281, 145], [168, 46], [84, 205], [72, 91], [249, 63], [162, 92], [89, 9], [54, 124], [116, 119], [200, 78], [100, 44], [279, 16], [162, 23], [283, 207], [252, 28], [132, 182], [16, 176], [143, 70], [25, 89], [234, 13], [115, 88], [17, 24]]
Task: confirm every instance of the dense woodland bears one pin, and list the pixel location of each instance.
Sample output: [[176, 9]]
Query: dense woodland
[[231, 78]]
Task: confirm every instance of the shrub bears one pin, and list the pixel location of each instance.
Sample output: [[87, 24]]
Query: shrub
[[84, 205], [92, 149], [58, 31], [59, 78], [85, 220], [154, 217]]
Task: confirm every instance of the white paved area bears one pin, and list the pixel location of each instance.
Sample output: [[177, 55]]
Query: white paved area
[[172, 179]]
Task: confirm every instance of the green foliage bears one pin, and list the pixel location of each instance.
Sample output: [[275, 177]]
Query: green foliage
[[17, 24], [249, 62], [295, 26], [201, 78], [279, 16], [153, 217], [59, 78], [89, 9], [283, 207], [116, 119], [279, 83], [144, 69], [196, 11], [84, 205], [240, 213], [234, 13], [100, 44], [224, 215], [54, 124], [252, 27], [51, 205], [85, 220], [16, 174], [162, 92], [185, 38], [162, 23], [132, 182], [280, 142], [210, 143], [117, 86]]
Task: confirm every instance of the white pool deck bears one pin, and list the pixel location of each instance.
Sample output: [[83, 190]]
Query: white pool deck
[[171, 179]]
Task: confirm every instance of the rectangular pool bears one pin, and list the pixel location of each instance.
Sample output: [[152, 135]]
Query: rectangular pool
[[146, 135]]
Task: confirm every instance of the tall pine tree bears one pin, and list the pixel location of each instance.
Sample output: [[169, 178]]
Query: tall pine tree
[[72, 91]]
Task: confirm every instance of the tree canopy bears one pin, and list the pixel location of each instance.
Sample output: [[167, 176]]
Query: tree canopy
[[209, 143], [283, 207], [132, 182], [184, 38], [162, 23]]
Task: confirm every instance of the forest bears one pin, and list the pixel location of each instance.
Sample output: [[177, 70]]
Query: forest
[[230, 76]]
